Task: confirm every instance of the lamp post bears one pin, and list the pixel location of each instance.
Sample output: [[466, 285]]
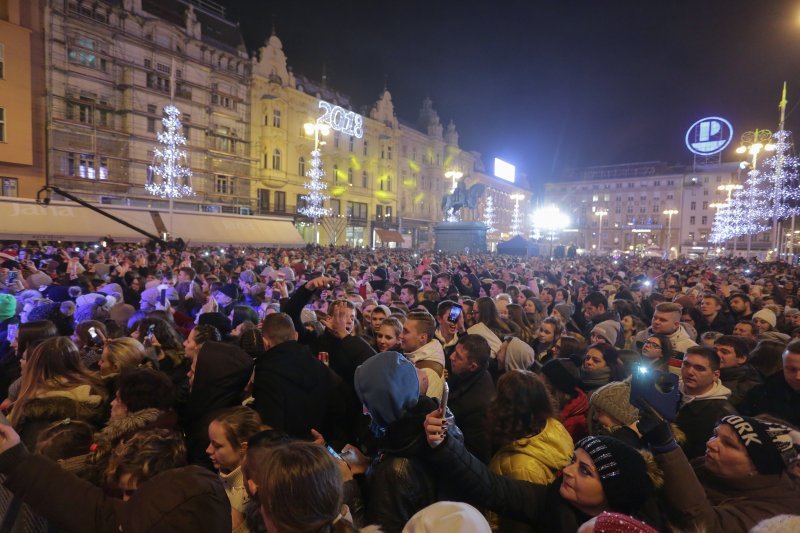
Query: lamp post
[[669, 213], [600, 214], [515, 218], [315, 199], [753, 142]]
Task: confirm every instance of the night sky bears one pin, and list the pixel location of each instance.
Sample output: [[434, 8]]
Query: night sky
[[554, 85]]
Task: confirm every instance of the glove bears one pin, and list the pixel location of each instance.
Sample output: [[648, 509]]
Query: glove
[[655, 430]]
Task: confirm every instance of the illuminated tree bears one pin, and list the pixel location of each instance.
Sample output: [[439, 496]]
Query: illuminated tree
[[169, 177], [315, 186], [488, 215]]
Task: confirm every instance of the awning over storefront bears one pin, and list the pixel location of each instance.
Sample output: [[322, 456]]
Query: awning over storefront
[[389, 235], [26, 220]]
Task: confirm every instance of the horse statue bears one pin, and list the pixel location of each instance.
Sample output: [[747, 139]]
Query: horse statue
[[462, 197]]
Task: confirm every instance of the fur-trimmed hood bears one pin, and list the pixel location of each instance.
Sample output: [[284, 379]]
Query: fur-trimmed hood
[[118, 428]]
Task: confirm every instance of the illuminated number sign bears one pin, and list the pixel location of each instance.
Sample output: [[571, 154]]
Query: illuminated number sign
[[340, 119], [709, 136]]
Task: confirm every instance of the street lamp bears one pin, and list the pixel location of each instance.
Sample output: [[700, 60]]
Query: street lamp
[[753, 142], [315, 199], [600, 214], [669, 213], [550, 219], [515, 218]]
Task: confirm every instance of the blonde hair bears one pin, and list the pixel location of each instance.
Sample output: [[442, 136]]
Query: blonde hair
[[239, 424], [55, 364], [125, 352]]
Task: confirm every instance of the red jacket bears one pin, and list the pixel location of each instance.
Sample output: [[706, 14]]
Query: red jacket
[[573, 416]]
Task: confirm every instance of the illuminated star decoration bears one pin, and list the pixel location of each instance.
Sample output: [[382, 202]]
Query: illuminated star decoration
[[175, 178], [315, 198]]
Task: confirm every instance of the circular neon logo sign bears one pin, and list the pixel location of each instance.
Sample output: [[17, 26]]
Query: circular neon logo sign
[[709, 136]]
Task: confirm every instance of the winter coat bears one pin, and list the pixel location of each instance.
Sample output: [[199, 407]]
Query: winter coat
[[681, 339], [722, 323], [292, 389], [537, 459], [739, 379], [573, 416], [399, 483], [221, 373], [469, 398], [698, 416], [78, 403], [181, 499], [698, 500], [774, 397]]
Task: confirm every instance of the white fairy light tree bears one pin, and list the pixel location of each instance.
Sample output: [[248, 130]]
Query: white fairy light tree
[[488, 215], [314, 199], [170, 177]]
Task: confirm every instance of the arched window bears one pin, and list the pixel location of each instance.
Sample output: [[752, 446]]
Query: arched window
[[364, 179], [276, 159], [301, 166]]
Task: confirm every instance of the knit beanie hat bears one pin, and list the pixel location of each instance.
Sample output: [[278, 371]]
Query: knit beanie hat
[[563, 374], [447, 516], [112, 289], [8, 306], [385, 309], [771, 446], [607, 522], [622, 471], [249, 277], [388, 386], [608, 329], [615, 399], [44, 311], [381, 273], [767, 316], [565, 310], [121, 313], [782, 523]]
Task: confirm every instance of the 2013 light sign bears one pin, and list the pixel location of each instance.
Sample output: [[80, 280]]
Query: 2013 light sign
[[340, 119]]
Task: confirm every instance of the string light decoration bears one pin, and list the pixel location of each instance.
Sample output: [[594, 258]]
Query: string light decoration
[[516, 217], [488, 215], [314, 207], [174, 178]]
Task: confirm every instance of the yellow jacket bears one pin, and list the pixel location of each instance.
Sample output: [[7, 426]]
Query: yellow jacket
[[537, 459]]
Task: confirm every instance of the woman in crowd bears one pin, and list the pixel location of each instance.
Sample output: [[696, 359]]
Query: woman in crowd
[[534, 310], [613, 414], [165, 341], [605, 475], [90, 346], [527, 331], [631, 326], [532, 444], [120, 354], [549, 332], [488, 323], [561, 377], [29, 335], [55, 386], [387, 338], [569, 347], [656, 352], [228, 434], [600, 366]]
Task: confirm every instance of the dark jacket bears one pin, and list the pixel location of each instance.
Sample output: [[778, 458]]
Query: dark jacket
[[182, 499], [740, 379], [39, 413], [292, 389], [221, 374], [697, 419], [399, 483], [722, 323], [698, 500], [469, 398], [774, 397]]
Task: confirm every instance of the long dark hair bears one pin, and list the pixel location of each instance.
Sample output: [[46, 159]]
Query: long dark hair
[[611, 357], [520, 408], [489, 316]]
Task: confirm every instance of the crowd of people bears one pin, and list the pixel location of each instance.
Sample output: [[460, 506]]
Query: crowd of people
[[337, 389]]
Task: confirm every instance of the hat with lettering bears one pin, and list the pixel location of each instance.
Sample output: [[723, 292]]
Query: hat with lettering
[[771, 446]]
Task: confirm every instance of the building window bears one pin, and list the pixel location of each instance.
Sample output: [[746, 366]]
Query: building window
[[280, 201], [705, 205], [224, 184], [335, 174], [704, 220], [9, 187], [705, 192], [187, 130], [350, 176], [276, 160], [364, 179], [670, 183], [218, 99], [301, 166], [87, 166], [389, 153], [691, 236], [366, 144], [159, 83], [276, 118], [2, 124], [336, 206], [151, 120], [351, 143], [692, 206], [388, 183], [80, 112], [2, 62], [692, 220], [336, 139], [357, 210], [84, 53]]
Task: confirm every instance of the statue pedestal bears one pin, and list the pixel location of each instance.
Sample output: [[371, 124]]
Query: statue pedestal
[[456, 237]]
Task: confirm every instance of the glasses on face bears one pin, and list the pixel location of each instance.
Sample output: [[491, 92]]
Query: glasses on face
[[652, 344]]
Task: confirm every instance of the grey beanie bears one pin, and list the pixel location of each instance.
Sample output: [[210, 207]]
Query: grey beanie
[[608, 329], [615, 399]]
